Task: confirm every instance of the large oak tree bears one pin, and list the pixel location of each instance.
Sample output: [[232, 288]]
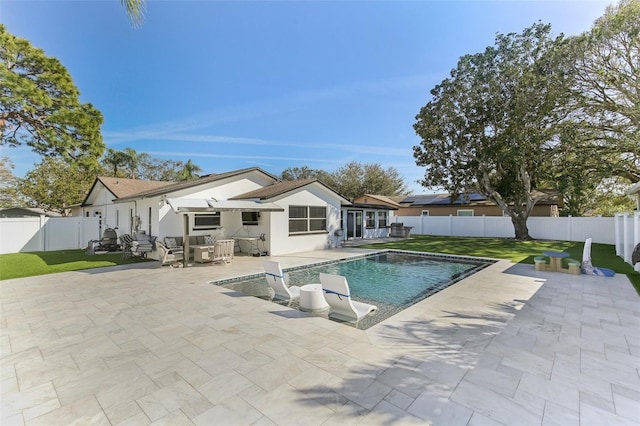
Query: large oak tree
[[607, 88], [491, 126]]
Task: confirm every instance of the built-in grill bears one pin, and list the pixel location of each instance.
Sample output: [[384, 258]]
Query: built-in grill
[[400, 231]]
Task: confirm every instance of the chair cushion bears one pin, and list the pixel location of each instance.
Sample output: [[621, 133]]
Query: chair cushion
[[170, 242], [208, 239]]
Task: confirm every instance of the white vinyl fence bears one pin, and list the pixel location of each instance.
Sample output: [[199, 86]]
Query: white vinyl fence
[[601, 229], [42, 233], [627, 232], [623, 230]]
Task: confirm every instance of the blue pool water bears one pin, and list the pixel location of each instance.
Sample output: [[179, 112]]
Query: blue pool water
[[391, 280]]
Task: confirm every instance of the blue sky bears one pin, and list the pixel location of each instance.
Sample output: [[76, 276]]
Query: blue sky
[[272, 84]]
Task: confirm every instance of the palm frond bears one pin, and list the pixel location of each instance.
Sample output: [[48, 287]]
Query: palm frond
[[135, 10]]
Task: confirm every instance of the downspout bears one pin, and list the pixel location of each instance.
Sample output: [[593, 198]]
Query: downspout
[[135, 214], [185, 241]]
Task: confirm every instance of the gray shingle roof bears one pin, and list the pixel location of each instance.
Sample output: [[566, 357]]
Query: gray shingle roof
[[281, 188], [177, 186], [274, 190], [124, 187], [548, 197]]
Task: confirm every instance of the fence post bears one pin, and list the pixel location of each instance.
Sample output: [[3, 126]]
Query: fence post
[[616, 230], [42, 232], [79, 231], [625, 238], [636, 237], [450, 225]]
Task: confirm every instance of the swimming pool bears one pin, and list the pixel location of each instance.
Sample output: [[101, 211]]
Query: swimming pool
[[392, 280]]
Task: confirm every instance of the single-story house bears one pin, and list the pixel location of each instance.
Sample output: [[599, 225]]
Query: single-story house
[[27, 212], [471, 205], [290, 216]]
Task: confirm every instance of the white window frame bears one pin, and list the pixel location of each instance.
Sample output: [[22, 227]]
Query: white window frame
[[308, 220], [424, 213], [370, 220], [383, 219], [465, 211]]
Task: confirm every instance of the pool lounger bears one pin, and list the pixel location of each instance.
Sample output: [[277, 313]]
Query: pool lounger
[[338, 296]]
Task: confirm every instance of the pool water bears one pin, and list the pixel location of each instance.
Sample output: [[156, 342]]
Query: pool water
[[391, 280]]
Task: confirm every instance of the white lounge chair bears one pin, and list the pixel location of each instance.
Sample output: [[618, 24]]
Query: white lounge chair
[[338, 296], [587, 266], [276, 280], [222, 251], [172, 257]]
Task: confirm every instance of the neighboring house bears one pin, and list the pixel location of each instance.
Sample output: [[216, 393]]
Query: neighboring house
[[369, 216], [26, 212], [294, 216], [472, 205]]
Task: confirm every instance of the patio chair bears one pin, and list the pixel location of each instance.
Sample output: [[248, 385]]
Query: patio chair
[[588, 268], [126, 241], [172, 257], [337, 295], [222, 251], [276, 280], [134, 247]]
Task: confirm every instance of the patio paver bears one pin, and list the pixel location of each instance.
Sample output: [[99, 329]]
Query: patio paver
[[145, 345]]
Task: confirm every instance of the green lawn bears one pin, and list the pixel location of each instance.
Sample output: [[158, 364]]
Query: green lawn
[[603, 255], [18, 265]]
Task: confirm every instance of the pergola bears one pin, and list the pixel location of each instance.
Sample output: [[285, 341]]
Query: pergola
[[185, 206]]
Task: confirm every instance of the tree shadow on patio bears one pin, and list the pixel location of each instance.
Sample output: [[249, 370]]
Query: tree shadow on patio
[[409, 371]]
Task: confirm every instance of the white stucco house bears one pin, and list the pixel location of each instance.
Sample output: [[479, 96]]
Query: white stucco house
[[294, 216]]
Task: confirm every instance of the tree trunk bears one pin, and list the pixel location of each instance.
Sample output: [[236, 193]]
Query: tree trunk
[[520, 226]]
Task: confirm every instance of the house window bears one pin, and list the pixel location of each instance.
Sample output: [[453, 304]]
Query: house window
[[304, 219], [250, 218], [206, 221], [465, 212], [425, 212], [382, 219], [371, 219]]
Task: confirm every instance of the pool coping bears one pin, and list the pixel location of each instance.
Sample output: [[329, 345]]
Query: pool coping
[[481, 263], [488, 261]]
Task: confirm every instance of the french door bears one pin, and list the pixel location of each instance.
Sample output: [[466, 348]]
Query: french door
[[354, 224]]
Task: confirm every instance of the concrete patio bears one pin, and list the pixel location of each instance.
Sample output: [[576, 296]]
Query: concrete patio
[[145, 345]]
